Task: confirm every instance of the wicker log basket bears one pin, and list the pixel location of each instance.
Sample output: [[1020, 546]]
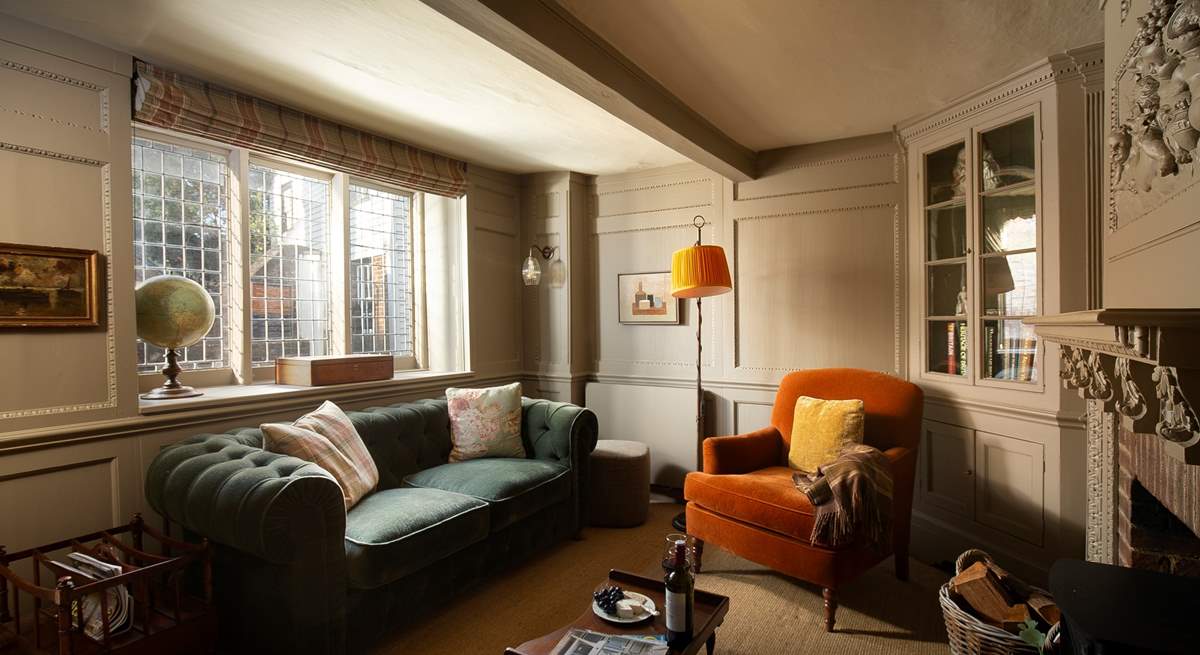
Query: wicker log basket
[[970, 636]]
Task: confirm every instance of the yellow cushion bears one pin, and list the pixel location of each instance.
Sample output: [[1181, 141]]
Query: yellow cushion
[[821, 428]]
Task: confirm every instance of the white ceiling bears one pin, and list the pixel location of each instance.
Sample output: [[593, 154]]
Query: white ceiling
[[774, 73], [396, 68], [769, 73]]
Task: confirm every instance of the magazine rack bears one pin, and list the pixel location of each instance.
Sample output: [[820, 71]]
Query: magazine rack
[[164, 618]]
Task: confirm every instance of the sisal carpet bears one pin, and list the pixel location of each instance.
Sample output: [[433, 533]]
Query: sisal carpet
[[769, 613]]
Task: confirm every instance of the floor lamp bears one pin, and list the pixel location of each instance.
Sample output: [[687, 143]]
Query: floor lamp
[[698, 272]]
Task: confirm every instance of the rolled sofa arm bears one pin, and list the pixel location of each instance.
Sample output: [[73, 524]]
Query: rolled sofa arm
[[261, 503], [566, 434], [278, 525], [559, 432]]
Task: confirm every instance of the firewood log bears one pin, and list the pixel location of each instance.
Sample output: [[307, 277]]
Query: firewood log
[[982, 590], [1043, 606], [1017, 588], [1015, 618]]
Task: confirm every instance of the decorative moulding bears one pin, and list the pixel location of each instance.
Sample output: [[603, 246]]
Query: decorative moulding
[[655, 187], [697, 203], [892, 178], [110, 339], [1077, 64], [1088, 62], [1142, 364], [100, 91]]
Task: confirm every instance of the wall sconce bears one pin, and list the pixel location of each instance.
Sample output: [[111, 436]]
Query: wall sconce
[[531, 270], [558, 273]]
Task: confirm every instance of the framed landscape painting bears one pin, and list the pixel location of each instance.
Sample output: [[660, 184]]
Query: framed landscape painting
[[645, 299], [48, 287]]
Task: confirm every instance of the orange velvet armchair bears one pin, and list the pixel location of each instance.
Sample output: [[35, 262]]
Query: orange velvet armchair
[[745, 501]]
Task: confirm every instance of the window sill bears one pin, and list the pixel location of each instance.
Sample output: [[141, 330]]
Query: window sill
[[247, 394]]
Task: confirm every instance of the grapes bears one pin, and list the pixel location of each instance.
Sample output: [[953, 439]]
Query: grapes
[[607, 598]]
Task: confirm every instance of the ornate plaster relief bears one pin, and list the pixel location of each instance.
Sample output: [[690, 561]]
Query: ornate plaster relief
[[1154, 112]]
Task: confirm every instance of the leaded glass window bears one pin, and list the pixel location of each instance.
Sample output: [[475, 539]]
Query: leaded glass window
[[180, 225], [381, 290], [289, 281]]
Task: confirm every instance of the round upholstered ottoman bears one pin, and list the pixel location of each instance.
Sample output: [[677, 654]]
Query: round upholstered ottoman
[[618, 493]]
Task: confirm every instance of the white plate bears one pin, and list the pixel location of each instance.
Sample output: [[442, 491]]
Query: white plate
[[630, 595]]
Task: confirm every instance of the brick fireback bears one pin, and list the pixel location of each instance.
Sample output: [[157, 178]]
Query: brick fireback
[[1175, 485]]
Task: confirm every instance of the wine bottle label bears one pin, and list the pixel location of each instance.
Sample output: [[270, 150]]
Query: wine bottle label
[[676, 611]]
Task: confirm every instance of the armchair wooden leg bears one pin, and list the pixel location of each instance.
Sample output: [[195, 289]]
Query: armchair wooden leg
[[699, 553], [830, 607]]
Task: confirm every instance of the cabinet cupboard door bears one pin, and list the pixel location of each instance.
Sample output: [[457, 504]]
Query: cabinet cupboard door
[[948, 459], [1008, 485]]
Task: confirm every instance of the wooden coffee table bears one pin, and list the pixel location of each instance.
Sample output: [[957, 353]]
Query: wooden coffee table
[[709, 612]]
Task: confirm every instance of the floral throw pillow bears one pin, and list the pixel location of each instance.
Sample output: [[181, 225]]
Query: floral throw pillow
[[485, 422]]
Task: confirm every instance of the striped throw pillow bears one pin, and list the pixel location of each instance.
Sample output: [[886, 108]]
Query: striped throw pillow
[[327, 438]]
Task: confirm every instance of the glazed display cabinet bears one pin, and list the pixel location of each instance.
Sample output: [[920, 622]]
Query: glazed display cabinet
[[981, 253], [1004, 211]]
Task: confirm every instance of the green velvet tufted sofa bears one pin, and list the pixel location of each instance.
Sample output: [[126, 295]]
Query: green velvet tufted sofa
[[296, 573]]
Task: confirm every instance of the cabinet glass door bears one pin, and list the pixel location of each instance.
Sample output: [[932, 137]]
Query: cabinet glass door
[[1008, 256], [946, 302]]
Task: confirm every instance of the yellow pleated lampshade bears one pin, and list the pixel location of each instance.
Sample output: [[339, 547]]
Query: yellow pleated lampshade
[[699, 271]]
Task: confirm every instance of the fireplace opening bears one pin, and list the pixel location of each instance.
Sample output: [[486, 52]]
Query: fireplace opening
[[1159, 541]]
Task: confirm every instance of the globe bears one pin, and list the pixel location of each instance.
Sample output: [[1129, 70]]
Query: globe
[[173, 311]]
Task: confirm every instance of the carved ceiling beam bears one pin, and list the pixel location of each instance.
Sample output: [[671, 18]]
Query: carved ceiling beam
[[1142, 364], [550, 39]]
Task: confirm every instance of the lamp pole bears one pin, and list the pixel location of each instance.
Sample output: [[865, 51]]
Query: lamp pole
[[680, 520]]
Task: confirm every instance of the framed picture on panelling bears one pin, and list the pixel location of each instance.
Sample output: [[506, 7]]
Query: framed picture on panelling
[[645, 299], [42, 286]]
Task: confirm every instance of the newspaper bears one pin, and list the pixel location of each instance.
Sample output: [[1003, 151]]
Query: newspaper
[[586, 642], [119, 601]]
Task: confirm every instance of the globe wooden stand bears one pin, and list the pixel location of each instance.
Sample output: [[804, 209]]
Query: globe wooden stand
[[171, 388]]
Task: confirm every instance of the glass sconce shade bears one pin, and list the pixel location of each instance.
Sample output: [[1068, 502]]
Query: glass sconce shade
[[558, 273], [531, 271]]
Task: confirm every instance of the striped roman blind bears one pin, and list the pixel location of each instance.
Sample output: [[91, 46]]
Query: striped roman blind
[[178, 102]]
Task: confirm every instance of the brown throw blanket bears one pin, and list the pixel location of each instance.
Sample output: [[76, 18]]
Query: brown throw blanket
[[851, 495]]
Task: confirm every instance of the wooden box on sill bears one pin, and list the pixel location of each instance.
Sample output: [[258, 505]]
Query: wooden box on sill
[[321, 370]]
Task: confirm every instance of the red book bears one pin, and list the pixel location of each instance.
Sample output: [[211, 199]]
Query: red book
[[951, 350]]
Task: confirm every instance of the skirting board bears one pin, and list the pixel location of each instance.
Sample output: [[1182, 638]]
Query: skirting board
[[934, 541]]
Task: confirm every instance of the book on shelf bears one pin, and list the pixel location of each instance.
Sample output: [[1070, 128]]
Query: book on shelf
[[1025, 363], [989, 349], [956, 348], [962, 347], [951, 345], [1008, 356]]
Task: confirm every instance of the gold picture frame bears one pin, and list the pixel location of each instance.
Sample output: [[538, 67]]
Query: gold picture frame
[[49, 287]]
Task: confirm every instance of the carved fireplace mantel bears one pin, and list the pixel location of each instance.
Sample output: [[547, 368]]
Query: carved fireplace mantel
[[1142, 364]]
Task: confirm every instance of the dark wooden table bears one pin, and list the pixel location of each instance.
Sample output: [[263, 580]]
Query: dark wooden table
[[709, 612]]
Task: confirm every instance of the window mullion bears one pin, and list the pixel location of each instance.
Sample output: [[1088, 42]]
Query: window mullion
[[239, 265], [420, 338], [339, 266], [975, 247]]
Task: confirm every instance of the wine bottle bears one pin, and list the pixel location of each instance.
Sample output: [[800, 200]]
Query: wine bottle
[[681, 585]]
